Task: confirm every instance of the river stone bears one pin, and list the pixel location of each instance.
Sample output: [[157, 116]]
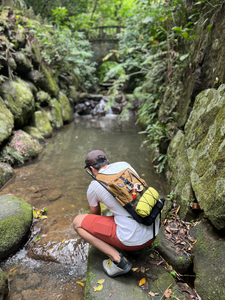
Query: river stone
[[67, 113], [23, 63], [54, 195], [209, 261], [43, 98], [6, 121], [205, 144], [178, 176], [19, 100], [23, 144], [34, 133], [178, 260], [41, 122], [54, 114], [6, 173], [15, 221], [3, 285]]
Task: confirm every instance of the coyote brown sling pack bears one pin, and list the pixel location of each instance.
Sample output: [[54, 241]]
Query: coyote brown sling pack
[[132, 192]]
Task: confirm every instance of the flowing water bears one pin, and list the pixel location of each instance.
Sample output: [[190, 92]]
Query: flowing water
[[52, 264]]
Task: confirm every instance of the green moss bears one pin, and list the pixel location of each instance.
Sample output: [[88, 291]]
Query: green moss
[[14, 227], [49, 84]]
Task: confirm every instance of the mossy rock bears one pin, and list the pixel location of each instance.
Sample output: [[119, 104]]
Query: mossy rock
[[23, 63], [178, 176], [209, 261], [3, 285], [22, 147], [54, 114], [6, 173], [15, 221], [34, 133], [205, 144], [34, 52], [6, 122], [67, 113], [43, 98], [20, 37], [48, 84], [40, 121], [19, 100]]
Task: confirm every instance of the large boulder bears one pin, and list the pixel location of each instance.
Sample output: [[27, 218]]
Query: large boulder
[[15, 221], [34, 133], [23, 63], [209, 262], [6, 173], [6, 121], [3, 285], [43, 98], [67, 113], [54, 114], [178, 175], [22, 148], [19, 100], [205, 144], [41, 122]]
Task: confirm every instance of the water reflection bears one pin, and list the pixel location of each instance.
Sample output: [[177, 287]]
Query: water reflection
[[57, 180]]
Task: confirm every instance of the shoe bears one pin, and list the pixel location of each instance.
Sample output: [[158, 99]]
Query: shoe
[[113, 269]]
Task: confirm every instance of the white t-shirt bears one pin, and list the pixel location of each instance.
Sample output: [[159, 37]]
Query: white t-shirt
[[129, 231]]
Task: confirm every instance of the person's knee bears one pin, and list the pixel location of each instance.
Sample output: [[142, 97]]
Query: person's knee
[[77, 221]]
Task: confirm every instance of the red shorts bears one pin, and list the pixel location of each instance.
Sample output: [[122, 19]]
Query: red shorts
[[104, 228]]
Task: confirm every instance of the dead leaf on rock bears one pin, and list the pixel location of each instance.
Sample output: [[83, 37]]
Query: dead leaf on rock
[[112, 293], [142, 269], [142, 281], [167, 293]]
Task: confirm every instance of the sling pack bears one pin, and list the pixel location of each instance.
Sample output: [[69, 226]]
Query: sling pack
[[123, 186]]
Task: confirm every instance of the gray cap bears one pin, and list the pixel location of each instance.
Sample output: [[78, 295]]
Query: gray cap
[[94, 157]]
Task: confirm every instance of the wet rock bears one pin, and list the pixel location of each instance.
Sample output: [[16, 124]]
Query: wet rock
[[23, 63], [116, 108], [15, 221], [6, 173], [35, 134], [19, 100], [22, 147], [33, 281], [54, 114], [43, 98], [178, 175], [67, 113], [3, 285], [175, 256], [54, 195], [20, 284], [41, 122], [205, 144], [36, 77], [6, 121], [209, 261]]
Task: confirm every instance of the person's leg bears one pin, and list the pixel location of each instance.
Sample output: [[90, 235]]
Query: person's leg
[[99, 244]]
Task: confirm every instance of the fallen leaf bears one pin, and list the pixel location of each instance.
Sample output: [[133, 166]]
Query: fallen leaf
[[72, 205], [178, 209], [134, 269], [62, 208], [167, 293], [151, 294], [142, 269], [37, 238], [101, 281], [98, 288], [142, 281], [14, 268], [152, 256], [112, 293], [63, 240], [142, 174], [80, 283]]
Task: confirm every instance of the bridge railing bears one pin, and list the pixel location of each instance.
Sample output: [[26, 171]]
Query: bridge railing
[[104, 33]]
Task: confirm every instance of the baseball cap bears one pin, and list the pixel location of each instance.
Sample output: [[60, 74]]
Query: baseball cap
[[94, 157]]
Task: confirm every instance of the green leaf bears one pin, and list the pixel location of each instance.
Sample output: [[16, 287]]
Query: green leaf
[[37, 238], [185, 34], [183, 57], [173, 273]]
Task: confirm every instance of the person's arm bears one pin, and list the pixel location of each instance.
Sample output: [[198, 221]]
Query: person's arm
[[96, 210]]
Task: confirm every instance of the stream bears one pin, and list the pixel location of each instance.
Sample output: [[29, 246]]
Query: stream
[[52, 265]]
